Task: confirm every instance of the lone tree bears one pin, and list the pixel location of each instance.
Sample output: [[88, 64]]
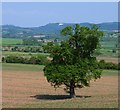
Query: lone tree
[[73, 62]]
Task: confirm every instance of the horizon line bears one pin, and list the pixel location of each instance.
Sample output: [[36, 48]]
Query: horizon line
[[60, 23]]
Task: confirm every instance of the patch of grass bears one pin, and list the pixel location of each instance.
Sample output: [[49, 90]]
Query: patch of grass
[[108, 52], [107, 48], [31, 67], [110, 73], [108, 44], [6, 53], [10, 41], [21, 67]]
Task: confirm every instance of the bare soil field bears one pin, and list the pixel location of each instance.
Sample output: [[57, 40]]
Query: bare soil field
[[109, 59], [26, 89]]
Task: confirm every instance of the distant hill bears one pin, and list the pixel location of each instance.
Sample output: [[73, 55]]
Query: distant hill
[[108, 26], [50, 30]]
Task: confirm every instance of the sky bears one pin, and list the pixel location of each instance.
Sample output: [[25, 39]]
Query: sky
[[33, 14]]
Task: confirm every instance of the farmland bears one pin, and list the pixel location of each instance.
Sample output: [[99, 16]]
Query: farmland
[[106, 51], [107, 57], [24, 86], [10, 41], [27, 54]]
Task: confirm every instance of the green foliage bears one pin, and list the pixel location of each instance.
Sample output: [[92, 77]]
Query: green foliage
[[38, 59], [81, 73], [102, 64], [47, 48], [31, 41], [74, 63], [109, 65], [13, 59]]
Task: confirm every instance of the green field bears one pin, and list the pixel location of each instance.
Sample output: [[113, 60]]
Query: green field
[[21, 67], [26, 54], [107, 48], [31, 67], [108, 44], [108, 52], [10, 41]]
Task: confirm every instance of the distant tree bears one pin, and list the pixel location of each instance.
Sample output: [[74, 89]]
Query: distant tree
[[55, 40], [114, 50], [74, 63], [15, 48], [48, 48], [102, 64], [31, 41]]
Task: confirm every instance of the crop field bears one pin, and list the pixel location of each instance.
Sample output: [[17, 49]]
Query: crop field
[[108, 53], [26, 54], [24, 86], [108, 59], [107, 48], [108, 44], [10, 41]]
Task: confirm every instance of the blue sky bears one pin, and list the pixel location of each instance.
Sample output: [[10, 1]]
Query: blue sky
[[29, 14]]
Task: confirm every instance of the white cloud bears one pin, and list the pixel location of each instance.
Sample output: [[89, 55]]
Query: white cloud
[[60, 24]]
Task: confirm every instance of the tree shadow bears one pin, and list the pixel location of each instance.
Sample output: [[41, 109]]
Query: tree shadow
[[56, 97]]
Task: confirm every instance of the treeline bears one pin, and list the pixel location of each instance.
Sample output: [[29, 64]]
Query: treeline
[[39, 59], [109, 65], [31, 41], [42, 60], [27, 49]]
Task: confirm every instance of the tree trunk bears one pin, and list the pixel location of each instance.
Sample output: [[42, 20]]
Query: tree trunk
[[72, 89]]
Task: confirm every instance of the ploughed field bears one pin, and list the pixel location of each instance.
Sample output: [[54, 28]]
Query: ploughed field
[[24, 86]]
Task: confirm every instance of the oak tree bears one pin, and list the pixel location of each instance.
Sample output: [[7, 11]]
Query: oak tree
[[73, 62]]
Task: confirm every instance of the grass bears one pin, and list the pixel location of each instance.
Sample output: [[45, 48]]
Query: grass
[[21, 67], [31, 67], [107, 48], [108, 44], [27, 54], [110, 73], [108, 52], [10, 41]]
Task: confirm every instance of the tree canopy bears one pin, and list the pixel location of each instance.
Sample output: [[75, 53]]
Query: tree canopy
[[73, 62]]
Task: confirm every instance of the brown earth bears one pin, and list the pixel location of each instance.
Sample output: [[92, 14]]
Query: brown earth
[[31, 89], [109, 59]]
